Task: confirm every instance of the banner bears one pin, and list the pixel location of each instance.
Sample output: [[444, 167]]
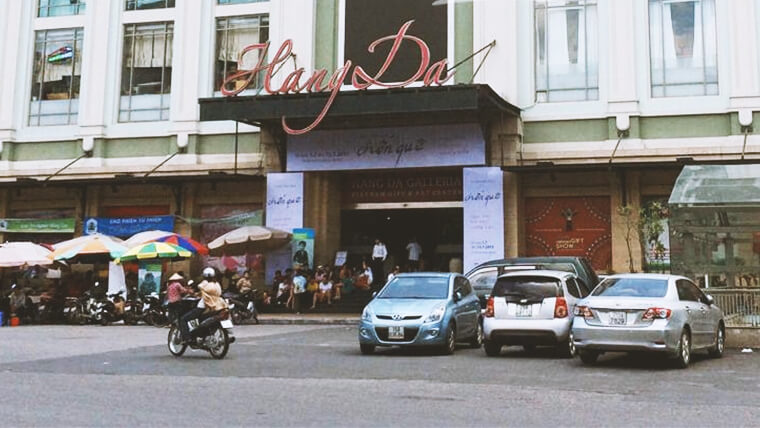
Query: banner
[[127, 226], [399, 147], [303, 248], [483, 215], [33, 225], [149, 278], [284, 209]]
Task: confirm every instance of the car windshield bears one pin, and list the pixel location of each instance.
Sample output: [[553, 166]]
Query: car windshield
[[527, 286], [632, 287], [418, 287]]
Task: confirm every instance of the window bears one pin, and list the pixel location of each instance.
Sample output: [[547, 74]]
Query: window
[[516, 288], [232, 35], [572, 288], [687, 291], [240, 1], [146, 72], [148, 4], [683, 48], [416, 288], [566, 50], [632, 287], [484, 279], [60, 7], [369, 20], [463, 286], [55, 77]]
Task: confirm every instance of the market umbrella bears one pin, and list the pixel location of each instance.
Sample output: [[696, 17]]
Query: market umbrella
[[147, 236], [184, 242], [13, 254], [154, 250], [249, 239], [88, 245]]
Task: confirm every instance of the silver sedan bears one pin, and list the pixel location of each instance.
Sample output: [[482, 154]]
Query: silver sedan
[[648, 312]]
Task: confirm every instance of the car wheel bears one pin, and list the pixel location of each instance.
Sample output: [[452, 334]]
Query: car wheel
[[451, 341], [683, 356], [588, 357], [477, 340], [492, 349], [566, 349], [367, 349], [720, 343]]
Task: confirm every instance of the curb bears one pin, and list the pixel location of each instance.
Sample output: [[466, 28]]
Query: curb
[[308, 321]]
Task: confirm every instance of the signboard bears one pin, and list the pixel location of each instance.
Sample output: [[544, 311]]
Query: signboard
[[284, 210], [303, 248], [341, 257], [127, 226], [483, 204], [149, 278], [28, 225], [417, 186], [382, 148]]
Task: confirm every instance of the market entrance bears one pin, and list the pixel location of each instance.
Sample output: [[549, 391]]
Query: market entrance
[[437, 230]]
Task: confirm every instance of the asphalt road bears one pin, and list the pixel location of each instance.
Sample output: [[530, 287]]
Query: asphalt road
[[315, 376]]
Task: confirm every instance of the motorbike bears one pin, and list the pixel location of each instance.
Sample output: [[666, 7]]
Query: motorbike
[[212, 332], [148, 309], [107, 309], [133, 311], [73, 309], [241, 307]]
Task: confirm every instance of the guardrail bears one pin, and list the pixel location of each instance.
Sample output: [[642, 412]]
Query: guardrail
[[741, 306]]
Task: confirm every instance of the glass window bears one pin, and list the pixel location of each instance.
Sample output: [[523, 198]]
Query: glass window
[[60, 7], [484, 279], [686, 291], [572, 288], [683, 48], [526, 287], [416, 287], [148, 4], [566, 34], [632, 287], [55, 77], [369, 20], [232, 35], [240, 1], [146, 72]]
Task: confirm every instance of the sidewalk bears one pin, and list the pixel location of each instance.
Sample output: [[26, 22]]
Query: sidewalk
[[327, 319]]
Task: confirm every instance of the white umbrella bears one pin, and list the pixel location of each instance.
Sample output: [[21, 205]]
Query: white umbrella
[[145, 237], [249, 239], [13, 254], [85, 238]]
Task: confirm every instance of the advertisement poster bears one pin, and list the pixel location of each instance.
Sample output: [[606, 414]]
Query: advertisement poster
[[284, 210], [149, 278], [303, 248], [483, 215], [127, 226]]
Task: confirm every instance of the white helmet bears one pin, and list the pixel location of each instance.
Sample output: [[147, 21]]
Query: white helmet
[[209, 272]]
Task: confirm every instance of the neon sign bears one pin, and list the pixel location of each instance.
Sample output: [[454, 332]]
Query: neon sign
[[360, 79]]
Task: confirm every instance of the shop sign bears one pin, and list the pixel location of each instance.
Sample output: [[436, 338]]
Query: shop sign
[[396, 187], [483, 203], [386, 148], [28, 225], [127, 226], [284, 209], [437, 73]]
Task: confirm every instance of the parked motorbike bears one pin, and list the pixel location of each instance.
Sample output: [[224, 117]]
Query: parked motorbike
[[110, 308], [133, 311], [73, 309], [241, 307], [211, 332], [155, 313]]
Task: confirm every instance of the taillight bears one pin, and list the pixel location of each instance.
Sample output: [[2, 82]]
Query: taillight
[[489, 308], [656, 313], [560, 308], [583, 311]]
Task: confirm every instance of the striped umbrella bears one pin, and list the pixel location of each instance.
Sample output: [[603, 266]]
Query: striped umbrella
[[154, 250], [184, 242], [90, 245]]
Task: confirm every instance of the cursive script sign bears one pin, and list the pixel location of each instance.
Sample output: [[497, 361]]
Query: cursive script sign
[[483, 215], [298, 81], [284, 208]]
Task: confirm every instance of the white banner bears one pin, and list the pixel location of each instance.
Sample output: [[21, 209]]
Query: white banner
[[399, 147], [284, 209], [483, 215]]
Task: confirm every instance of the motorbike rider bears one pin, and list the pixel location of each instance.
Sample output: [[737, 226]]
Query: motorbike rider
[[211, 300]]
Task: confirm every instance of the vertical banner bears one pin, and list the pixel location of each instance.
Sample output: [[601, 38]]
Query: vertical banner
[[149, 278], [284, 211], [303, 248], [483, 215]]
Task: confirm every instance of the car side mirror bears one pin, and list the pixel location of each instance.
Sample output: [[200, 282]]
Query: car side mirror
[[710, 300], [458, 296]]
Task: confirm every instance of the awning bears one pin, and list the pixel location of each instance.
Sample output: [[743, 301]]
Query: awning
[[717, 185]]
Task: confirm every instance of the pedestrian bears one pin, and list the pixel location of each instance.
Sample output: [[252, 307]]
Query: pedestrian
[[379, 254], [396, 271], [299, 290], [413, 253]]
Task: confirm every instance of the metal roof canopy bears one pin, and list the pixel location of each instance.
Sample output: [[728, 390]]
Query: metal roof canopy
[[392, 107], [717, 185]]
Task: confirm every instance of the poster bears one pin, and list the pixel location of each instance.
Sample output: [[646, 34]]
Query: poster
[[483, 203], [127, 226], [284, 210], [303, 248], [149, 278], [341, 257]]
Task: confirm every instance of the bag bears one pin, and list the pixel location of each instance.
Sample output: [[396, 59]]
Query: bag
[[312, 287]]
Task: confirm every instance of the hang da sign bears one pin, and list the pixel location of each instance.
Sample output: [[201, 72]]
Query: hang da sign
[[360, 80]]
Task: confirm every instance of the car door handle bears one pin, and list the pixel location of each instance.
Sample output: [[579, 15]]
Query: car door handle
[[688, 309]]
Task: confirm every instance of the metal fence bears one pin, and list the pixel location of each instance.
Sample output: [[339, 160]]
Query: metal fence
[[741, 306]]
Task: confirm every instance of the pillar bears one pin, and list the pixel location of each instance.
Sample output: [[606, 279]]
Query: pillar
[[625, 192], [322, 206]]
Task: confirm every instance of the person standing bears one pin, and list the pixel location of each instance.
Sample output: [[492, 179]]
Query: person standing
[[299, 290], [379, 254], [413, 251]]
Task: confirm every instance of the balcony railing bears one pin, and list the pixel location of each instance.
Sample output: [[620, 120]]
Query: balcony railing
[[741, 306]]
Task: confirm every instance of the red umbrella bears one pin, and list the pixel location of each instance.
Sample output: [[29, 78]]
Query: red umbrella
[[184, 242]]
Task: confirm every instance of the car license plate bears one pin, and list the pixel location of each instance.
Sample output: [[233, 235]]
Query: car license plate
[[395, 332], [226, 324], [617, 318], [524, 310]]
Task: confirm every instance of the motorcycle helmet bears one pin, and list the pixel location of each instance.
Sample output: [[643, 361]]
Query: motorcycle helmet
[[209, 273]]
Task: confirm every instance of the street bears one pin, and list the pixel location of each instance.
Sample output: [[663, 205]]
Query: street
[[312, 375]]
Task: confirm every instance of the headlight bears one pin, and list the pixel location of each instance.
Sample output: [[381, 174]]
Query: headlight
[[367, 314], [437, 314]]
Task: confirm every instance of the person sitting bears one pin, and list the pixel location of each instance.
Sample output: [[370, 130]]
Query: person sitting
[[18, 301], [324, 292], [244, 284], [174, 292], [283, 292], [364, 281], [211, 301], [396, 271]]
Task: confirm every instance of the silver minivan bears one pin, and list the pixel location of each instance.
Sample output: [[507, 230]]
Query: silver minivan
[[532, 308]]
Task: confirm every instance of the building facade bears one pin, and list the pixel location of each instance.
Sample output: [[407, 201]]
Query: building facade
[[599, 104]]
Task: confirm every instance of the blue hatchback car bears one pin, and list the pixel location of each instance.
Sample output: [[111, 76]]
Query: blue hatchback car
[[422, 309]]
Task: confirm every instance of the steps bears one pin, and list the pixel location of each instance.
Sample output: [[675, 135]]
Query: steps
[[352, 303]]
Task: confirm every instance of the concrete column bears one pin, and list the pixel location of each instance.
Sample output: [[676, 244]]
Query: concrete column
[[185, 71], [322, 213], [625, 192], [269, 147], [514, 229], [95, 82], [93, 201], [621, 56]]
